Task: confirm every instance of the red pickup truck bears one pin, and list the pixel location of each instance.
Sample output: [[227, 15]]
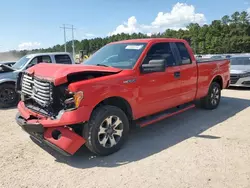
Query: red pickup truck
[[125, 83]]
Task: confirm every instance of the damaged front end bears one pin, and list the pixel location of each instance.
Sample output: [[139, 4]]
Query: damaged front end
[[52, 114], [62, 139]]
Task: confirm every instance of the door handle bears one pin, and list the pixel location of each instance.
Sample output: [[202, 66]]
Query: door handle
[[177, 74]]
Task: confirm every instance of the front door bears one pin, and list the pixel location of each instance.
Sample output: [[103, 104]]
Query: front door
[[159, 91]]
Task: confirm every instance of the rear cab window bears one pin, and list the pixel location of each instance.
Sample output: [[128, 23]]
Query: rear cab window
[[63, 59], [184, 54]]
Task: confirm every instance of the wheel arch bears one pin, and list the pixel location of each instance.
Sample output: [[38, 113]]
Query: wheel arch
[[7, 82], [218, 79], [119, 102]]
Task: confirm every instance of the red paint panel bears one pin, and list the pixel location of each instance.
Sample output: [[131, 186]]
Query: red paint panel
[[208, 71], [26, 113], [22, 110], [69, 141], [68, 118]]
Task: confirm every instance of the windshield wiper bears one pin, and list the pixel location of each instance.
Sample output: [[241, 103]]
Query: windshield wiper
[[103, 65]]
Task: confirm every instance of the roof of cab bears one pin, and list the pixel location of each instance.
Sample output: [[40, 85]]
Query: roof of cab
[[50, 53], [147, 40]]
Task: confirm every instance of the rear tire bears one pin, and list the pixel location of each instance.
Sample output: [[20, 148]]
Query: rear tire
[[8, 96], [212, 100], [107, 130]]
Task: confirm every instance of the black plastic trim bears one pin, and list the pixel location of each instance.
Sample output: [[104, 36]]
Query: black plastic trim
[[38, 128], [164, 113]]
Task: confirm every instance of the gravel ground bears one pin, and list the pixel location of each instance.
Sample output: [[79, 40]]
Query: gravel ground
[[198, 148]]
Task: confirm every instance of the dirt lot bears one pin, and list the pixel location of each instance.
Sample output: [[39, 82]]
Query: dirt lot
[[195, 149]]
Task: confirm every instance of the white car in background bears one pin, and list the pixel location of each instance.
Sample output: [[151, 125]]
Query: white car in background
[[240, 71]]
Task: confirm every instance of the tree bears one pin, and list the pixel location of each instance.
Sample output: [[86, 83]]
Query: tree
[[225, 20], [235, 17], [244, 17], [228, 35]]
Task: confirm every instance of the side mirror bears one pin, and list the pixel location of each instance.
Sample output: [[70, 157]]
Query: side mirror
[[153, 66]]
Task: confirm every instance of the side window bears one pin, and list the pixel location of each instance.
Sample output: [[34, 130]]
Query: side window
[[46, 59], [185, 57], [39, 59], [63, 59], [161, 51], [34, 61]]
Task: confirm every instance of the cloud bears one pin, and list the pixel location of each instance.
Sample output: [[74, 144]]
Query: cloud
[[179, 17], [130, 27], [89, 35], [248, 10], [29, 45]]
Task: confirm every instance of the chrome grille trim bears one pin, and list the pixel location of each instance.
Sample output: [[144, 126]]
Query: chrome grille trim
[[36, 89]]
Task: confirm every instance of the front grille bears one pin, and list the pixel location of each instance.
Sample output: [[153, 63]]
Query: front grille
[[234, 78], [37, 89]]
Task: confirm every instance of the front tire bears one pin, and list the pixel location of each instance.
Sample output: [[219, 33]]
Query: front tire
[[212, 100], [8, 96], [107, 130]]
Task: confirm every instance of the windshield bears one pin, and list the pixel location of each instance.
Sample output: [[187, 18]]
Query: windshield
[[21, 62], [240, 61], [120, 55]]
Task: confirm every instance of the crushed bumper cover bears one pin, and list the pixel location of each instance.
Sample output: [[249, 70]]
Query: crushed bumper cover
[[68, 118], [61, 139]]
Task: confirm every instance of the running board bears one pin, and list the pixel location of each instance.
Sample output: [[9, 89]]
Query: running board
[[142, 122]]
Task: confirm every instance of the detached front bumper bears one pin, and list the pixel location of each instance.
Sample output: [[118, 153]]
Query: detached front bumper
[[59, 137]]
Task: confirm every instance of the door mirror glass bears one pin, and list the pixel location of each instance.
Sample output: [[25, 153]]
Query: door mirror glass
[[154, 66]]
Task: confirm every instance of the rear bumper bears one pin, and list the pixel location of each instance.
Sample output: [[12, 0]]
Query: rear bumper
[[61, 139]]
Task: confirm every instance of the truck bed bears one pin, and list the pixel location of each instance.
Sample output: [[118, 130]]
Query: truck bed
[[207, 70]]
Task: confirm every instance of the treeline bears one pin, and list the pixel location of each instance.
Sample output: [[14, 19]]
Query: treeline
[[231, 34]]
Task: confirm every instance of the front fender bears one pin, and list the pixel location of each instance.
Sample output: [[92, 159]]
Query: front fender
[[98, 92], [128, 94], [2, 81]]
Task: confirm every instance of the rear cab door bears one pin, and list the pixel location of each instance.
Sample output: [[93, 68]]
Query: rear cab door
[[188, 71]]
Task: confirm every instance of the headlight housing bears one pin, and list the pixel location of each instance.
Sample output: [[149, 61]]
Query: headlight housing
[[74, 101], [247, 74], [78, 96]]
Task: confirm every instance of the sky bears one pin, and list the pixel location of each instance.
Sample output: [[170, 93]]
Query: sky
[[28, 24]]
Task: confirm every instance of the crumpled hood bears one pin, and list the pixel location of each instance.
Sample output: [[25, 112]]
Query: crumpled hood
[[58, 73]]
